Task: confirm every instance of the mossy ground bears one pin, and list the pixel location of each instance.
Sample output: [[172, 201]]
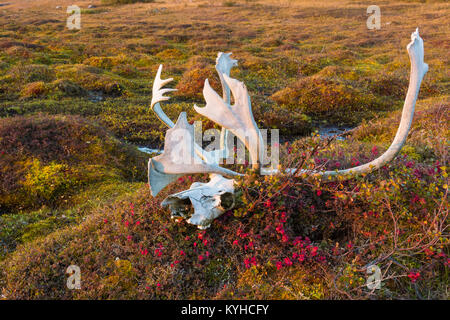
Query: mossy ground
[[73, 188]]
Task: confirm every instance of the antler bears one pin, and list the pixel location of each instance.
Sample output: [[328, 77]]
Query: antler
[[158, 96], [237, 118], [179, 158], [224, 64], [418, 70], [164, 169]]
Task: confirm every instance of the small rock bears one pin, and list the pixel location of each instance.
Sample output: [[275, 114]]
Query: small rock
[[58, 7]]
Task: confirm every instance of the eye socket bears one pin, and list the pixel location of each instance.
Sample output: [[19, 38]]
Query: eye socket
[[182, 208], [227, 201]]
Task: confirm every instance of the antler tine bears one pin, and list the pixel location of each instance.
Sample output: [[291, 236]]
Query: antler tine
[[224, 64], [158, 76], [158, 96]]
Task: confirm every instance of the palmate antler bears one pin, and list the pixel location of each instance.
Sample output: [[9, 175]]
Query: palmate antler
[[179, 158], [239, 120]]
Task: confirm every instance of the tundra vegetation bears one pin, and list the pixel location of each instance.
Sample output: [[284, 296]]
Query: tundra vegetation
[[75, 103]]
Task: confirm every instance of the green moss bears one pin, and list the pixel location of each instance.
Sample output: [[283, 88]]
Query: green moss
[[43, 227], [44, 183]]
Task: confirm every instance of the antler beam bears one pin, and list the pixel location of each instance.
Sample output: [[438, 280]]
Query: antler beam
[[418, 70]]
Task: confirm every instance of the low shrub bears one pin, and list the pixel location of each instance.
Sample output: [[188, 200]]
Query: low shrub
[[392, 85], [312, 64], [32, 73], [44, 183], [192, 82], [325, 98], [91, 78], [34, 89], [289, 122], [287, 238]]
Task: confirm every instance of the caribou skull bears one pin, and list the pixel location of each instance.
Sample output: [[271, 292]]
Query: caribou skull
[[209, 201], [182, 156]]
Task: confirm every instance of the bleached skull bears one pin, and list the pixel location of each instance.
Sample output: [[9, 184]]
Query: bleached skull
[[208, 201]]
